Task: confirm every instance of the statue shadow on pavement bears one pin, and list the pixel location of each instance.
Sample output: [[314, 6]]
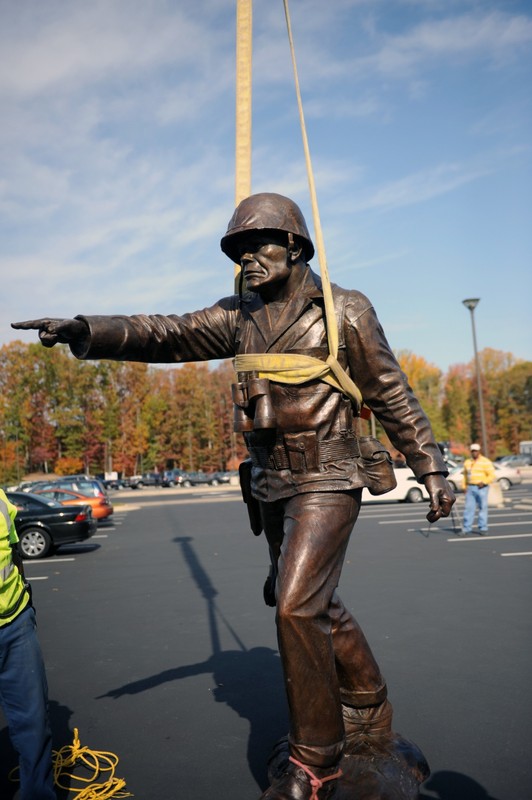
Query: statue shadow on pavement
[[249, 681], [449, 785]]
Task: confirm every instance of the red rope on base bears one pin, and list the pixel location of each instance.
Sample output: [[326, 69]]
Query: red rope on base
[[315, 782]]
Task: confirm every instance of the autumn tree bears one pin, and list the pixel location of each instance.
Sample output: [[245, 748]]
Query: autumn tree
[[61, 414], [456, 407], [425, 379]]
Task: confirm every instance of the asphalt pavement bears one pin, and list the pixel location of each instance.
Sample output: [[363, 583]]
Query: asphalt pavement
[[159, 647]]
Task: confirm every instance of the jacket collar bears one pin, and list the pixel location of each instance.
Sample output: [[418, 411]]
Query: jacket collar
[[308, 293]]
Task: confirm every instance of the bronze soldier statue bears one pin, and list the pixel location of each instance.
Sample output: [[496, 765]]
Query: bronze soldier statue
[[306, 470]]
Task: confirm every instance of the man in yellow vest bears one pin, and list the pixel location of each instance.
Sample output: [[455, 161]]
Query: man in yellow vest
[[479, 472], [23, 687]]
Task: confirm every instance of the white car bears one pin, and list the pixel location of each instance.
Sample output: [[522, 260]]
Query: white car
[[506, 477], [407, 489]]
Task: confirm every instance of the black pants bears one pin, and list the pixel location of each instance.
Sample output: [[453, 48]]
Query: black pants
[[325, 656]]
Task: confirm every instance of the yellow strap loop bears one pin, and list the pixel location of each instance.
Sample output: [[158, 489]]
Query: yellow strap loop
[[284, 368], [332, 329], [295, 369]]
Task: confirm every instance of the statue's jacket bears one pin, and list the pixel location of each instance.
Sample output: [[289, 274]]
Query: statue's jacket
[[312, 418]]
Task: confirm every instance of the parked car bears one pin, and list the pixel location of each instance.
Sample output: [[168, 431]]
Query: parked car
[[521, 460], [146, 479], [113, 483], [43, 524], [101, 506], [408, 490], [90, 487], [29, 486], [173, 477], [199, 478], [505, 476], [223, 477]]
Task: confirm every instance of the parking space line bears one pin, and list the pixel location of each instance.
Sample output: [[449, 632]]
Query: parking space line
[[490, 538], [496, 524], [38, 578], [517, 554], [444, 519], [100, 536], [48, 561], [188, 501]]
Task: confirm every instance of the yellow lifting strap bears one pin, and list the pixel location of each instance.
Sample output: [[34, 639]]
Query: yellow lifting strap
[[286, 368]]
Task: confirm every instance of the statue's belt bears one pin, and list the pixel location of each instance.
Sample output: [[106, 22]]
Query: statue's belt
[[302, 452]]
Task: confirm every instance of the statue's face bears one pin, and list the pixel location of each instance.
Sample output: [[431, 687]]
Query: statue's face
[[265, 263]]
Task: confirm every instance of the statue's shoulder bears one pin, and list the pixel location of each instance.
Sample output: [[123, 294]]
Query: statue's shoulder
[[354, 302]]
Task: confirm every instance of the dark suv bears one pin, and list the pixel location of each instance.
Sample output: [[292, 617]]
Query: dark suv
[[146, 479], [173, 477]]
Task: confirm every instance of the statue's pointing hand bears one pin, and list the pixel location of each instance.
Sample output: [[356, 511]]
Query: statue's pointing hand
[[54, 331]]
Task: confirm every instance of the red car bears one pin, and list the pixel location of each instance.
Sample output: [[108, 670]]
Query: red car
[[101, 506]]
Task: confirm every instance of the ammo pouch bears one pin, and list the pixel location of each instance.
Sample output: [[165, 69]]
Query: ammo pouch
[[252, 504], [376, 466]]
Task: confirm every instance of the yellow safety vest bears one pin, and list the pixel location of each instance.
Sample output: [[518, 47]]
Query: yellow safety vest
[[13, 594]]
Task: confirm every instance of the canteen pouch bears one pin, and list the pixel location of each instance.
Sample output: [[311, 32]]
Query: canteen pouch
[[376, 466]]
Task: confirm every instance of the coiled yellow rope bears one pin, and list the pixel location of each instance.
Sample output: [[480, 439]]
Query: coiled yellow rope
[[99, 763]]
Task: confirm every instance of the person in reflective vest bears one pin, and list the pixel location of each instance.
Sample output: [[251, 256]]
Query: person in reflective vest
[[23, 686]]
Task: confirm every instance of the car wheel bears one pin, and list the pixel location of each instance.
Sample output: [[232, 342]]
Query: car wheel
[[215, 482], [35, 543], [505, 484], [187, 484], [414, 496], [171, 484]]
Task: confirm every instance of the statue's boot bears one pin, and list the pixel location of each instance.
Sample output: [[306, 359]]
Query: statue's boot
[[370, 726], [369, 738], [300, 781]]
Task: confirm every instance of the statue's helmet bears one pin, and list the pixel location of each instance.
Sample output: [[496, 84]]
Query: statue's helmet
[[265, 212]]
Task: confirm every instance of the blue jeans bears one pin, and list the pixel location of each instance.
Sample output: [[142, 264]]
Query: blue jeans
[[476, 498], [24, 701]]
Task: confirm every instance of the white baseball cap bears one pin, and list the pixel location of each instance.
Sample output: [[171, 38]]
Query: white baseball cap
[[475, 447]]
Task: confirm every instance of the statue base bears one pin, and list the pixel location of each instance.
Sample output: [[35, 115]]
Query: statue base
[[385, 768]]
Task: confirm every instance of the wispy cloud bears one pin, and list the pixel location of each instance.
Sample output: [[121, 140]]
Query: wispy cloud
[[77, 44], [421, 186], [493, 35]]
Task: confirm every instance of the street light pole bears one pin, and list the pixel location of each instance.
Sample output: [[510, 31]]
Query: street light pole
[[471, 303]]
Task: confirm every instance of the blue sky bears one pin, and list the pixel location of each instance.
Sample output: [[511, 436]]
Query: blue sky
[[117, 157]]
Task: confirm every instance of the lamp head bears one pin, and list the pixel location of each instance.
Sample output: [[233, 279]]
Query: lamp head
[[471, 302]]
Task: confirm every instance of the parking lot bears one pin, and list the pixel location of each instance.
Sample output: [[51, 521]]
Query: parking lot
[[159, 648]]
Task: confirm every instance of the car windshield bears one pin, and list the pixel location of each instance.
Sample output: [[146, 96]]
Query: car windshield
[[32, 501]]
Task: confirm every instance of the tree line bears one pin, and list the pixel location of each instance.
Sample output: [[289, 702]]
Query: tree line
[[60, 415]]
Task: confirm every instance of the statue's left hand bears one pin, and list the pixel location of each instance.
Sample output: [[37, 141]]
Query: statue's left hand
[[441, 496]]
